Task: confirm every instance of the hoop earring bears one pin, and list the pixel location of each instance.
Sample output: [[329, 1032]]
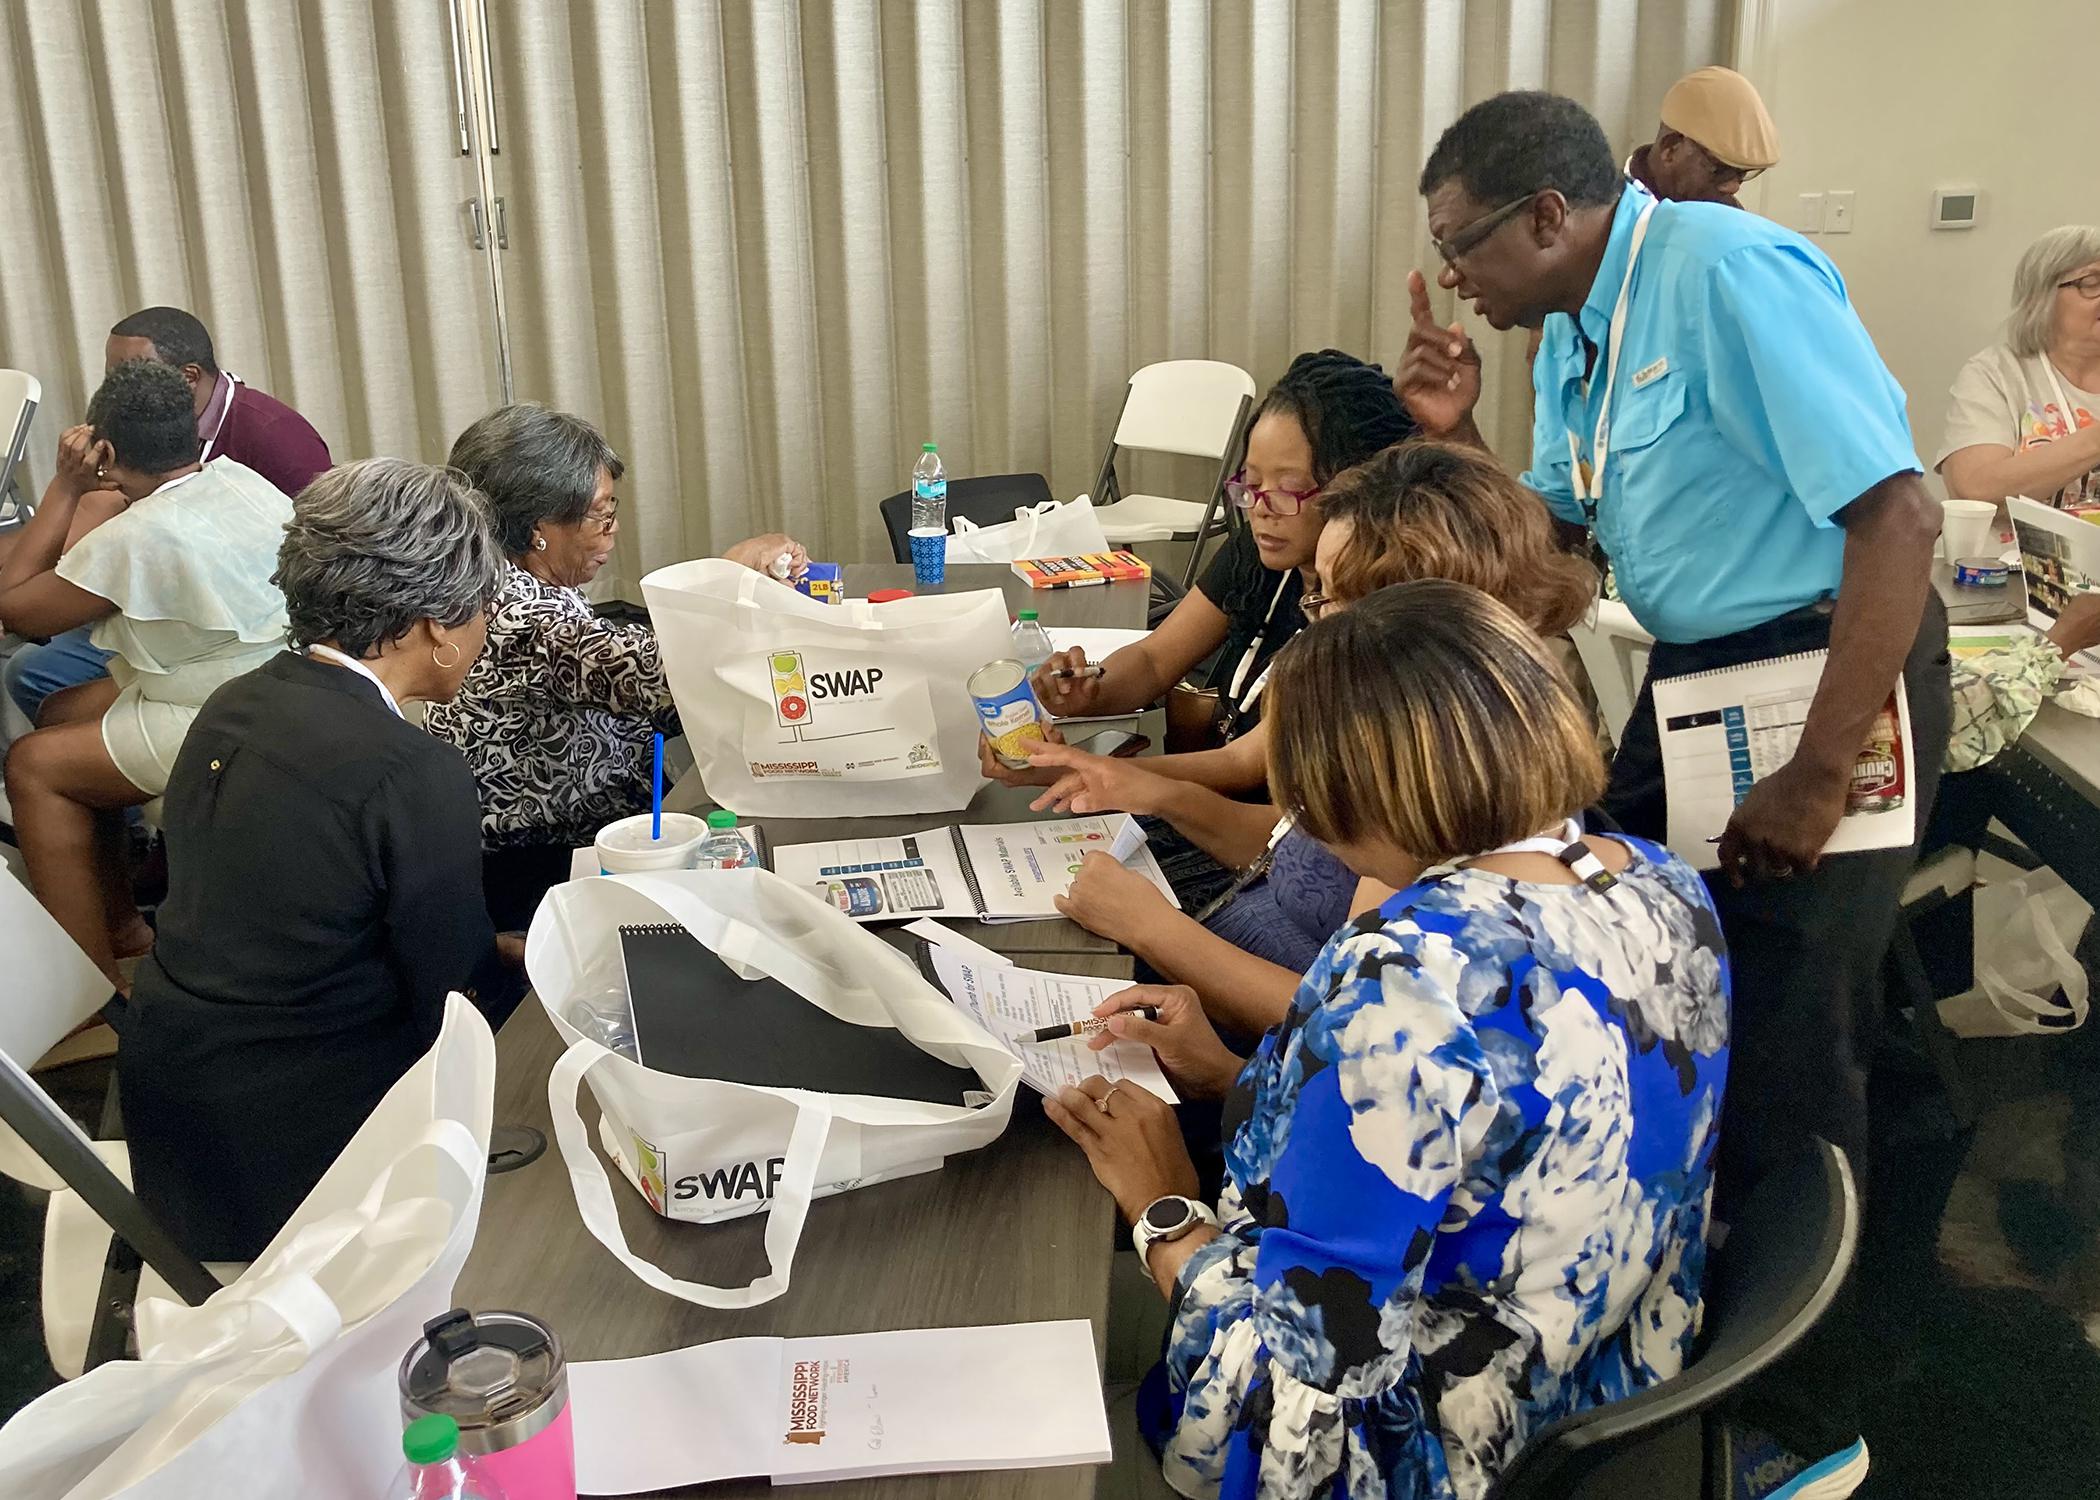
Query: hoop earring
[[539, 543], [446, 666]]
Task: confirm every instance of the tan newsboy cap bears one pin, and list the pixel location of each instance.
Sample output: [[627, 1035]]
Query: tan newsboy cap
[[1718, 108]]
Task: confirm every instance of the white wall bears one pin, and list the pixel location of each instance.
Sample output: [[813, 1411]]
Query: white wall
[[1893, 98]]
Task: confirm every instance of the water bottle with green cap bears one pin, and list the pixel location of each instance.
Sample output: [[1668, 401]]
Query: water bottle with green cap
[[726, 848], [436, 1469], [1031, 642]]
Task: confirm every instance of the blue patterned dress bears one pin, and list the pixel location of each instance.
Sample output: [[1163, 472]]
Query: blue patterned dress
[[1466, 1190]]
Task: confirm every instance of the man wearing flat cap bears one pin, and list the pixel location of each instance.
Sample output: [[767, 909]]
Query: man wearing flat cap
[[1715, 137]]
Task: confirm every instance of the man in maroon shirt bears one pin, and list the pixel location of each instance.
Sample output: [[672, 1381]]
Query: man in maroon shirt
[[234, 420]]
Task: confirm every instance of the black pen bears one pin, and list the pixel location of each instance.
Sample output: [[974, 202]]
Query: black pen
[[1092, 1026], [1091, 669]]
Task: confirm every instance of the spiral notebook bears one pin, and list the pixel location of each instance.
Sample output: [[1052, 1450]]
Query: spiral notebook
[[1724, 731], [697, 1019]]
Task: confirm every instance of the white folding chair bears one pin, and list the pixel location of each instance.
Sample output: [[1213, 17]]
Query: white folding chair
[[20, 395], [1614, 651], [53, 988], [1195, 407]]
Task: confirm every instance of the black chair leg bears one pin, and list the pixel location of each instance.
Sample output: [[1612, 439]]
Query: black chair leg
[[109, 1333]]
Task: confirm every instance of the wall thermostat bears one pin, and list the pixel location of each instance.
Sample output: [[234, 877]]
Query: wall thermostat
[[1956, 208]]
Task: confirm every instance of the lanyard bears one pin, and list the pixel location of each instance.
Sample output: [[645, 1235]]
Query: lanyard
[[344, 659], [1234, 703], [2065, 412], [1262, 862], [1563, 843], [1590, 489], [233, 386]]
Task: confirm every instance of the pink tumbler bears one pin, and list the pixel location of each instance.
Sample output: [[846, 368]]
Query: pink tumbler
[[501, 1376]]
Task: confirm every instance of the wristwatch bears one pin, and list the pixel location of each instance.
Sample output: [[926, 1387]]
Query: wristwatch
[[1167, 1218]]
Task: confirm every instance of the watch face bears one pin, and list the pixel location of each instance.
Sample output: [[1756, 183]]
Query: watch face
[[1167, 1213]]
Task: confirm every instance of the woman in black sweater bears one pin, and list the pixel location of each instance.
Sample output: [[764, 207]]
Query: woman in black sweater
[[324, 867]]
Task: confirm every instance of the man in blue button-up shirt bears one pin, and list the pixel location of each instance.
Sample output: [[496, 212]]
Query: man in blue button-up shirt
[[1760, 495]]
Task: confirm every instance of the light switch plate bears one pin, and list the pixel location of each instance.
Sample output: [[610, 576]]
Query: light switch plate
[[1837, 211], [1808, 213]]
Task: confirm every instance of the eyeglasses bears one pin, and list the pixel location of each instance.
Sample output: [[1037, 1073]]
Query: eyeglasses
[[1315, 604], [1469, 237], [2087, 286], [601, 522], [1281, 502]]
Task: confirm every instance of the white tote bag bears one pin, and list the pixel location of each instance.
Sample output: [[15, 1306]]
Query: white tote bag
[[2029, 981], [701, 1150], [799, 709], [283, 1383], [1046, 530]]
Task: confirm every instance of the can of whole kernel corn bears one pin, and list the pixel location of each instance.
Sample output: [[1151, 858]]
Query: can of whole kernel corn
[[1006, 710]]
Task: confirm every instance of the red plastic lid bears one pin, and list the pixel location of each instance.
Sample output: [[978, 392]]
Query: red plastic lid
[[887, 596]]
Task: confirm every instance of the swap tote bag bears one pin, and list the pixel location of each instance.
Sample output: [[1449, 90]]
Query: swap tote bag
[[1046, 530], [800, 709], [702, 1150], [283, 1383]]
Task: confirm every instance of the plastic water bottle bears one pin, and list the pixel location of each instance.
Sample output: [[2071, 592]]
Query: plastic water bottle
[[725, 849], [436, 1469], [929, 519], [1031, 641], [606, 1018]]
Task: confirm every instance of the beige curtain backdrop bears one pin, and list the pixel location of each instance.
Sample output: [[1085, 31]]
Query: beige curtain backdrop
[[289, 170], [771, 247], [774, 247]]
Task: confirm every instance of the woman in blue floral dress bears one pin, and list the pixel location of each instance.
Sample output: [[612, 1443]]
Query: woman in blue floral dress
[[1468, 1175]]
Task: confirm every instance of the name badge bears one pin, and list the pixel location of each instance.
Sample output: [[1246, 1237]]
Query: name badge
[[1648, 373]]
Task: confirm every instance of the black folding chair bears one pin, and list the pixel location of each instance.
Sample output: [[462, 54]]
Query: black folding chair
[[987, 501], [1766, 1287]]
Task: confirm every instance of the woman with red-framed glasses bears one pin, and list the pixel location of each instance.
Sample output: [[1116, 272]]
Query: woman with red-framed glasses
[[1328, 413]]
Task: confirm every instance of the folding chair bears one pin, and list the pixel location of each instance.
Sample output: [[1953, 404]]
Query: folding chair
[[1614, 651], [1196, 407], [986, 500], [91, 1276], [1766, 1287], [20, 395]]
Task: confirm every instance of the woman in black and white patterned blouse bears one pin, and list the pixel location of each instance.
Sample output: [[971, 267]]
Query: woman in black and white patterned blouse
[[557, 717]]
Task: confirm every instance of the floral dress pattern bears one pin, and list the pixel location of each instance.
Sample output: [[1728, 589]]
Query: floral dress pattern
[[558, 717], [1466, 1190]]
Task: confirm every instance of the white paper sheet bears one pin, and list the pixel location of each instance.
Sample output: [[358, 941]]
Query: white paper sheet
[[915, 1401], [1098, 643], [1012, 1003], [1021, 868]]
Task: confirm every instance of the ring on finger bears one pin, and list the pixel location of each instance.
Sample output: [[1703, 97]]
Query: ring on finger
[[1102, 1103]]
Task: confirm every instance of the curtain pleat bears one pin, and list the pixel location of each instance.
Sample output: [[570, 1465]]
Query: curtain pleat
[[288, 170], [771, 247]]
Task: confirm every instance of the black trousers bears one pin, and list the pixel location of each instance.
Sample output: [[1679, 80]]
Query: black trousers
[[1805, 953]]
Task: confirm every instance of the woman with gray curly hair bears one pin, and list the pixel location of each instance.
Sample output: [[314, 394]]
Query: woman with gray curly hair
[[324, 865]]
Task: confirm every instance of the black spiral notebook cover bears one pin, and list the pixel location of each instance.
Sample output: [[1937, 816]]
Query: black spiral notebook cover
[[695, 1018]]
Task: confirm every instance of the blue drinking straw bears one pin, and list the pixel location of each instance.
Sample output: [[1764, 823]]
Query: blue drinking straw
[[656, 793]]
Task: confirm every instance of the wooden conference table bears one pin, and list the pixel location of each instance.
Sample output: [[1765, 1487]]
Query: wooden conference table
[[1013, 1233]]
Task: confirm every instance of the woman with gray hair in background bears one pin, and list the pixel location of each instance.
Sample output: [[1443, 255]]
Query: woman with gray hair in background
[[2024, 416], [324, 870], [559, 717]]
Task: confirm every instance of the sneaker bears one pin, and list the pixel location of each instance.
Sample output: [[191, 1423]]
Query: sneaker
[[1765, 1470]]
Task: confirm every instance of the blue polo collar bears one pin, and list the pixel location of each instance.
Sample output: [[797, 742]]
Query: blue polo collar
[[1595, 318]]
